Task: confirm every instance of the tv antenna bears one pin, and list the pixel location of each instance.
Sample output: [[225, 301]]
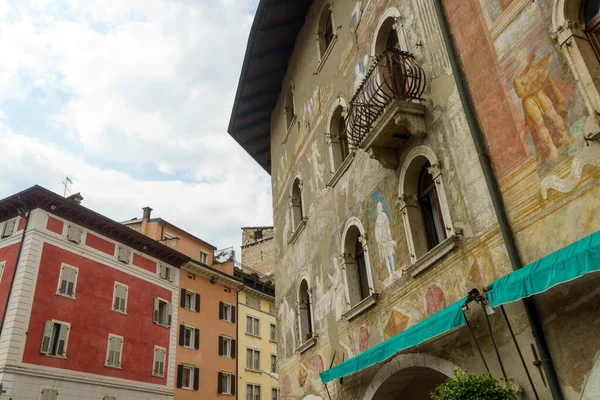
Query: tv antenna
[[66, 183]]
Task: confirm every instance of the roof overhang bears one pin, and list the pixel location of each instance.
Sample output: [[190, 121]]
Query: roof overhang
[[270, 44]]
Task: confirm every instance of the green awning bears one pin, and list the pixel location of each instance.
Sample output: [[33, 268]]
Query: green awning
[[447, 319], [566, 264]]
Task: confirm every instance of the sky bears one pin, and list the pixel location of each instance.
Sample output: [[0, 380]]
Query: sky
[[131, 100]]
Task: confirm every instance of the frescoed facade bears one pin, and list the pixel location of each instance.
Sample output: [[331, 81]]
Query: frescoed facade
[[386, 218], [87, 312], [206, 356]]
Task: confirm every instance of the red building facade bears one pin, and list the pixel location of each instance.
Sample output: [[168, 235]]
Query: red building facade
[[91, 312]]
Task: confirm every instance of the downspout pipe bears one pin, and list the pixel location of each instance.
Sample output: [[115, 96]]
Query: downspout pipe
[[27, 214], [497, 201]]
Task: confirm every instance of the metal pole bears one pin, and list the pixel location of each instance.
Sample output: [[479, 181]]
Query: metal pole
[[475, 340], [489, 325], [512, 334]]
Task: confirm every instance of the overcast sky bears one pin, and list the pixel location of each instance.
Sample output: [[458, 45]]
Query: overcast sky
[[131, 100]]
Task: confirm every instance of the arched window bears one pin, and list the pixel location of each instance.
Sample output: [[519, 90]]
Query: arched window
[[290, 109], [356, 265], [326, 34], [337, 136], [424, 207], [305, 313], [591, 19], [388, 33], [296, 207], [429, 206]]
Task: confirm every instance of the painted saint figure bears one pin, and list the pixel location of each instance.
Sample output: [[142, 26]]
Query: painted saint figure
[[385, 243], [543, 105]]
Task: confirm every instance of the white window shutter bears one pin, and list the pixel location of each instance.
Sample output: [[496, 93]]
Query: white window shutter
[[74, 234], [9, 227], [62, 340], [46, 338], [169, 312], [156, 302]]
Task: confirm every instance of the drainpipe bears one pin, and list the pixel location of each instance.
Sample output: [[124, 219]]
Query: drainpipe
[[14, 274], [497, 201]]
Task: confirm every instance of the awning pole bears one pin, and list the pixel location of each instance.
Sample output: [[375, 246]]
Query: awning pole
[[466, 307], [489, 325], [512, 334]]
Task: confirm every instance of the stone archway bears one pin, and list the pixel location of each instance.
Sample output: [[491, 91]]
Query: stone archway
[[409, 376]]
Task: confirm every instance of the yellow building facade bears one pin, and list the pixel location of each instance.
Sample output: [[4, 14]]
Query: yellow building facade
[[258, 378]]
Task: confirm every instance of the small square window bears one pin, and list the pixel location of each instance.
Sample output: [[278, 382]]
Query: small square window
[[124, 254], [258, 235], [165, 272], [74, 234]]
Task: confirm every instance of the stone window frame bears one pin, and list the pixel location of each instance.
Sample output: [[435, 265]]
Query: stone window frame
[[569, 33], [348, 261], [337, 167], [296, 205], [393, 13], [409, 209], [306, 342], [290, 97], [323, 54]]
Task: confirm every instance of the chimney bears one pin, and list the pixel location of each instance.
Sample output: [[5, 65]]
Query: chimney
[[77, 197], [147, 212]]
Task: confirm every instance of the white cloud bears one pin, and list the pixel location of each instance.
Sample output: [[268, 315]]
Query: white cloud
[[134, 84]]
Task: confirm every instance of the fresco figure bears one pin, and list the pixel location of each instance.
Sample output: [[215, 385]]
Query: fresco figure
[[543, 106], [385, 242], [286, 316]]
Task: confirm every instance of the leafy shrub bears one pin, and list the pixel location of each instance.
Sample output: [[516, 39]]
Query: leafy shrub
[[464, 386]]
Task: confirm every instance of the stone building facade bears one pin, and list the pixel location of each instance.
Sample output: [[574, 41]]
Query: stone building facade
[[257, 248], [382, 220]]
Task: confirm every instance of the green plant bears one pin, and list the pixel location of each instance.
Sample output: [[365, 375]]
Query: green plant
[[464, 386]]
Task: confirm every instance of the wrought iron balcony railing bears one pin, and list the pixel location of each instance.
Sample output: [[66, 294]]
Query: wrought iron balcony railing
[[394, 75]]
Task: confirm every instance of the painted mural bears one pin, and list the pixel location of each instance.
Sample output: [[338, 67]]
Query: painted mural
[[331, 297], [386, 245], [288, 332]]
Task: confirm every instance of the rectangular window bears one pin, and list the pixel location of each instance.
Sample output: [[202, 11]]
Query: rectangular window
[[273, 363], [253, 359], [226, 312], [258, 235], [2, 265], [274, 394], [187, 375], [226, 383], [273, 333], [252, 392], [67, 281], [252, 326], [9, 227], [114, 351], [227, 347], [123, 254], [74, 234], [49, 394], [190, 300], [120, 297], [203, 257], [164, 272], [162, 312], [55, 339], [253, 302], [160, 355], [189, 336]]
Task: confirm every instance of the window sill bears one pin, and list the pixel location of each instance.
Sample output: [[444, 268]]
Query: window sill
[[307, 344], [432, 256], [65, 296], [112, 366], [326, 54], [273, 341], [253, 335], [187, 388], [163, 325], [119, 311], [188, 347], [226, 320], [361, 307], [341, 170], [55, 356], [226, 356], [289, 129], [252, 370], [158, 376], [298, 231]]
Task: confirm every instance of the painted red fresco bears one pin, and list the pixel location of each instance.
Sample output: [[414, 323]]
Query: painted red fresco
[[434, 297]]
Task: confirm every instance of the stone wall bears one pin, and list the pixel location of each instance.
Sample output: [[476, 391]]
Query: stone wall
[[258, 254]]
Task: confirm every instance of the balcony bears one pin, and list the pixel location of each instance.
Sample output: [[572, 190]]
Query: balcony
[[386, 111]]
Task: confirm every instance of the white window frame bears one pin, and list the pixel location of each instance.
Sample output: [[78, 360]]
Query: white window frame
[[9, 223], [124, 254], [254, 320], [42, 397], [108, 349], [115, 296], [64, 267], [254, 386], [227, 312], [2, 265], [74, 234], [192, 371], [203, 257], [67, 330], [272, 329], [229, 340], [169, 310], [229, 377], [192, 328], [255, 356], [248, 303], [192, 305], [157, 350], [271, 363], [276, 392]]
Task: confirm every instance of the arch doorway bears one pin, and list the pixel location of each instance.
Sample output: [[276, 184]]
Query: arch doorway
[[415, 383]]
